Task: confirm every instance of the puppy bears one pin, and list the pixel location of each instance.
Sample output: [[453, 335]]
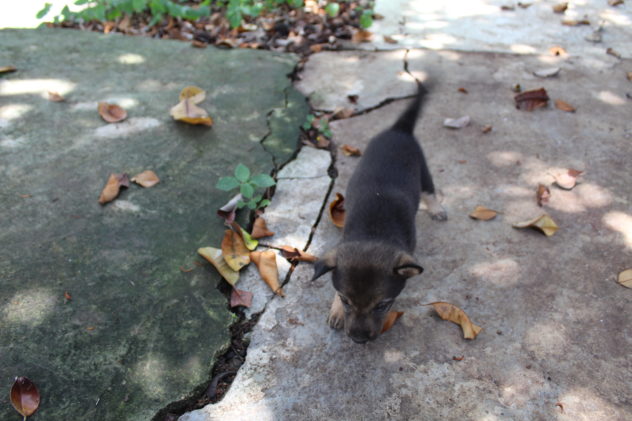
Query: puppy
[[374, 259]]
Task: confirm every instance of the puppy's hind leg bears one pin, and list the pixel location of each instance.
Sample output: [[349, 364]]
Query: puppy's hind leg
[[428, 194], [336, 319]]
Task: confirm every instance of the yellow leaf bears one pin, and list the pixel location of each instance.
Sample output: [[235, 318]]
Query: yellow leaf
[[454, 314], [266, 263], [193, 94], [390, 320], [214, 256], [146, 179], [260, 229], [234, 250], [625, 278], [113, 187], [187, 110], [543, 223], [483, 214], [337, 210]]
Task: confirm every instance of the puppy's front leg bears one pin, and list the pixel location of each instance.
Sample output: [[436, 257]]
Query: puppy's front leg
[[437, 212], [336, 319]]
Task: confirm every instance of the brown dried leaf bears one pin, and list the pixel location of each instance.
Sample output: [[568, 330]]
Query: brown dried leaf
[[568, 179], [542, 223], [361, 35], [147, 179], [349, 150], [113, 187], [615, 2], [295, 255], [564, 106], [7, 69], [198, 44], [234, 250], [463, 90], [341, 113], [570, 22], [613, 53], [507, 8], [455, 358], [625, 278], [214, 256], [530, 100], [337, 210], [561, 405], [55, 97], [322, 142], [389, 40], [187, 111], [25, 397], [482, 213], [250, 242], [240, 297], [557, 50], [560, 7], [390, 320], [111, 113], [67, 296], [260, 229], [454, 314], [629, 76], [543, 194], [524, 5], [486, 129], [266, 263], [229, 210]]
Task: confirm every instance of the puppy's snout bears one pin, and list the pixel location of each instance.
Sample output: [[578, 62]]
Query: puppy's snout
[[361, 337]]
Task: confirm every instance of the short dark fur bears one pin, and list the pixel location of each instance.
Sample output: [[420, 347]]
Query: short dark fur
[[374, 259]]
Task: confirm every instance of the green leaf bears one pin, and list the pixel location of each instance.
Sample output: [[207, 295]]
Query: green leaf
[[332, 9], [366, 19], [81, 2], [247, 190], [242, 173], [233, 13], [257, 198], [44, 11], [263, 180], [241, 204], [252, 204], [138, 5], [264, 203], [250, 242], [295, 3], [227, 183]]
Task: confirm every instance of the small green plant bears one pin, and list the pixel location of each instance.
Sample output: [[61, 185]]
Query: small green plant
[[247, 186], [323, 125]]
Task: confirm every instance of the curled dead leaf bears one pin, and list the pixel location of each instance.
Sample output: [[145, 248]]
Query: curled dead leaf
[[457, 123], [240, 297], [7, 69], [390, 320], [198, 44], [266, 263], [625, 278], [629, 76], [560, 7], [556, 50], [482, 213], [337, 210], [214, 256], [113, 187], [55, 97], [147, 179], [349, 150], [561, 406], [67, 296], [389, 39], [454, 314], [361, 35], [260, 229], [486, 129], [614, 2], [564, 106], [455, 358], [542, 223], [234, 250], [111, 113], [462, 90], [572, 22], [543, 194], [567, 180], [250, 242], [229, 210], [613, 53], [294, 255], [187, 111], [530, 100], [25, 397]]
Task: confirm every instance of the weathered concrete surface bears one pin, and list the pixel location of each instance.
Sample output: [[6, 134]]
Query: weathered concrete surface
[[556, 324], [138, 333], [481, 25]]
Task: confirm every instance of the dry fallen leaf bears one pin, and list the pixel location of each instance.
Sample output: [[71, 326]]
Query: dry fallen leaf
[[625, 278], [234, 250], [543, 223], [295, 255], [463, 90], [187, 110], [147, 179], [7, 69], [567, 180], [229, 210], [113, 187], [55, 97], [389, 40], [543, 194], [361, 35], [240, 297], [198, 44], [560, 7], [455, 358], [564, 106], [530, 100], [454, 314], [629, 76], [266, 263], [260, 229], [486, 129], [570, 22], [337, 210], [353, 98], [613, 53], [561, 405], [615, 2], [507, 8], [349, 150], [250, 242], [557, 50], [341, 113], [67, 296], [524, 5], [214, 256], [483, 214], [390, 320], [25, 397], [111, 113], [457, 123]]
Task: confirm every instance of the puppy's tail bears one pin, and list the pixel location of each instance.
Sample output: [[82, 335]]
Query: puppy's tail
[[406, 122]]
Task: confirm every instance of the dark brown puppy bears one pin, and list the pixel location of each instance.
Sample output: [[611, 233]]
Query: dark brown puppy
[[374, 259]]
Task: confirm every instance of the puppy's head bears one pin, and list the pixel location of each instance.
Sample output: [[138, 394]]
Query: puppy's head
[[367, 277]]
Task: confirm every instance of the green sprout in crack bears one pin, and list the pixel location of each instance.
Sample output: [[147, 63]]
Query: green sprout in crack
[[247, 186]]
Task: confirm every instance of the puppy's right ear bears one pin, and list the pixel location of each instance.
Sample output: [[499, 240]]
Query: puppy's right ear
[[324, 264]]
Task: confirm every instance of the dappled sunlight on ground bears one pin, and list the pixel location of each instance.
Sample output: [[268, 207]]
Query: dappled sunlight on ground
[[35, 86], [582, 404], [547, 339], [611, 98], [30, 307], [622, 223], [498, 272], [149, 374], [131, 58], [14, 111]]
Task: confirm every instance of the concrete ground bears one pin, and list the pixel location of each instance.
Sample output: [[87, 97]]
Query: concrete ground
[[556, 325], [141, 324]]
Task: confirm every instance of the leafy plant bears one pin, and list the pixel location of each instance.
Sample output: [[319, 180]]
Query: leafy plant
[[247, 186], [323, 125]]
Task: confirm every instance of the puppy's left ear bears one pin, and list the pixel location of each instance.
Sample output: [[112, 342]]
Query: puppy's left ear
[[407, 267], [324, 264]]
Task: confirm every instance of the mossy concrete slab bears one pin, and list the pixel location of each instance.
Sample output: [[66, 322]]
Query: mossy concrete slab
[[139, 332]]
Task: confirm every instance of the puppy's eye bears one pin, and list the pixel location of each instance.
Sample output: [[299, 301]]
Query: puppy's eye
[[382, 307]]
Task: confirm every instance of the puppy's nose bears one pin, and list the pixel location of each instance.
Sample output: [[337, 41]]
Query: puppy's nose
[[359, 340]]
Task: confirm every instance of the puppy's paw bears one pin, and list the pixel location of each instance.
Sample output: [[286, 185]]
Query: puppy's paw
[[441, 215], [436, 211], [336, 319]]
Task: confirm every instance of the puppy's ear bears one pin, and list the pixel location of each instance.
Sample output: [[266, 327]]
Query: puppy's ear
[[324, 264], [406, 266]]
